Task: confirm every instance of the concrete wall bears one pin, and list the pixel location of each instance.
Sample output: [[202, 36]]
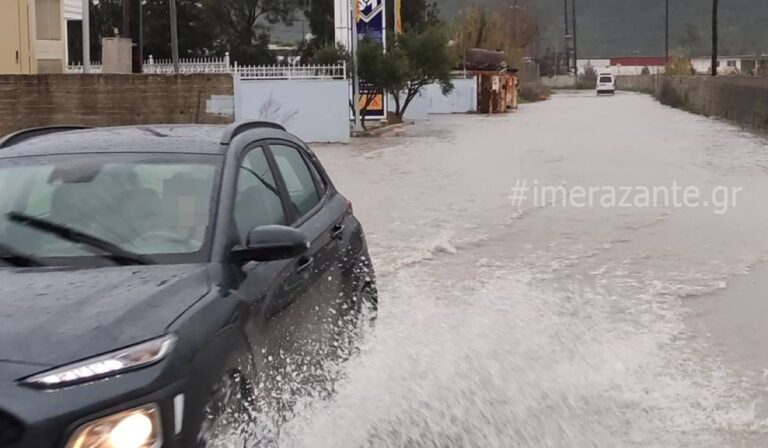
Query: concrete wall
[[740, 99], [639, 83], [559, 82], [461, 100], [419, 108], [314, 110], [111, 100]]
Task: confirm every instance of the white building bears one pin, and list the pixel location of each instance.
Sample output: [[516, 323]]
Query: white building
[[600, 65], [632, 65], [730, 65]]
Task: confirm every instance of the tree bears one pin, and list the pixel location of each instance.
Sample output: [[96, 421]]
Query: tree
[[588, 79], [195, 30], [106, 19], [551, 63], [332, 54], [417, 15], [425, 59], [509, 28], [714, 36], [195, 36], [240, 28], [370, 65], [679, 66], [321, 21]]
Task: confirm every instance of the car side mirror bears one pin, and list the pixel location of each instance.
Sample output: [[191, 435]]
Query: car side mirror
[[271, 243]]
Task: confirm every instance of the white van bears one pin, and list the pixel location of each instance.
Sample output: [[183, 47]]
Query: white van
[[606, 83]]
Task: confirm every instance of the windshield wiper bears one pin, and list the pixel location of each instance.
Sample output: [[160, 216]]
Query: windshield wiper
[[111, 251], [13, 257]]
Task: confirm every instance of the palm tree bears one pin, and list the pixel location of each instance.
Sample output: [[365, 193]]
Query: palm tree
[[714, 36]]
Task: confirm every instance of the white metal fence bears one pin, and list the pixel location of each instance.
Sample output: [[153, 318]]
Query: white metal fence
[[78, 68], [186, 66], [224, 65], [291, 71]]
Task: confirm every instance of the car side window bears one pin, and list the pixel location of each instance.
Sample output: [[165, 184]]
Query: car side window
[[258, 200], [320, 180], [298, 178]]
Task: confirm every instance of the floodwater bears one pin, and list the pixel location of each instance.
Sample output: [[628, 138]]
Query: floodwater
[[518, 324]]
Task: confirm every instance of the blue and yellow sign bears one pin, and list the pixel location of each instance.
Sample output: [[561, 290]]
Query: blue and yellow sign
[[372, 24]]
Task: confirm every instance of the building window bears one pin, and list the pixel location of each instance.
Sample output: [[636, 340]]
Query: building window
[[48, 19], [731, 63]]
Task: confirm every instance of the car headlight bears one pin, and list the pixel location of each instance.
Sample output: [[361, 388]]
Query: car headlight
[[103, 366], [135, 428]]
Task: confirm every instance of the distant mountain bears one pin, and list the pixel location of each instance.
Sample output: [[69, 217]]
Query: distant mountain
[[607, 28]]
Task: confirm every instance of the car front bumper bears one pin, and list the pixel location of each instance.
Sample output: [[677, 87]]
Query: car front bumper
[[48, 419]]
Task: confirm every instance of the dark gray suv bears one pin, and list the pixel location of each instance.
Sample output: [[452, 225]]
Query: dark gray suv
[[152, 275]]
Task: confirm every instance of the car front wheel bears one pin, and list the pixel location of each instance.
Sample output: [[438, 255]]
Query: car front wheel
[[228, 414]]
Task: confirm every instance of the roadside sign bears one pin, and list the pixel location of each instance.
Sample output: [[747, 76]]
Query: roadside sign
[[371, 24]]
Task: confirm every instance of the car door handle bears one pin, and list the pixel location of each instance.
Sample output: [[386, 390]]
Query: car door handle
[[338, 231], [304, 264]]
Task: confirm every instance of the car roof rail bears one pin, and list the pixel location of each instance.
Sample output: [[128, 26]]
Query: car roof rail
[[28, 134], [235, 129]]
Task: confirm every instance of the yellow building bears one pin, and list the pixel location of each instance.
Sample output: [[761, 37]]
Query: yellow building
[[33, 36]]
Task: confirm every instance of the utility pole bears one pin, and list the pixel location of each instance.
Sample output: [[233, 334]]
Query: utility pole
[[567, 36], [575, 42], [86, 36], [714, 36], [354, 14], [666, 34], [174, 36]]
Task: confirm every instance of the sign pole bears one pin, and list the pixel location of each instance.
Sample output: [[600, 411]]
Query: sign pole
[[354, 17]]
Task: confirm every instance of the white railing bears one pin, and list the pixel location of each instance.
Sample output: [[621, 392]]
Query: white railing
[[186, 66], [78, 68], [291, 71], [223, 65]]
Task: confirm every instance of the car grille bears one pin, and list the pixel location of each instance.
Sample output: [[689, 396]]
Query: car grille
[[10, 430]]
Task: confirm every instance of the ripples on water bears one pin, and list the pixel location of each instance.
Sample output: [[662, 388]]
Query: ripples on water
[[540, 327], [496, 362]]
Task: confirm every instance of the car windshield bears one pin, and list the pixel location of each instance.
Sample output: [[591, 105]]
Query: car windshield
[[605, 79], [81, 209]]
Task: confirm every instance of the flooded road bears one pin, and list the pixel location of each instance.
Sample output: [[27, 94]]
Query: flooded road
[[540, 324]]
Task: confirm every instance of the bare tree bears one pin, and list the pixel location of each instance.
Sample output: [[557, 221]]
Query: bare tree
[[512, 28]]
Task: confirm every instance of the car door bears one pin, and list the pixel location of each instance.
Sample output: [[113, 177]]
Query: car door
[[319, 215], [288, 299], [269, 289]]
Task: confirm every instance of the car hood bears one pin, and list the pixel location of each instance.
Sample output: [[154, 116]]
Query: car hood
[[51, 317]]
